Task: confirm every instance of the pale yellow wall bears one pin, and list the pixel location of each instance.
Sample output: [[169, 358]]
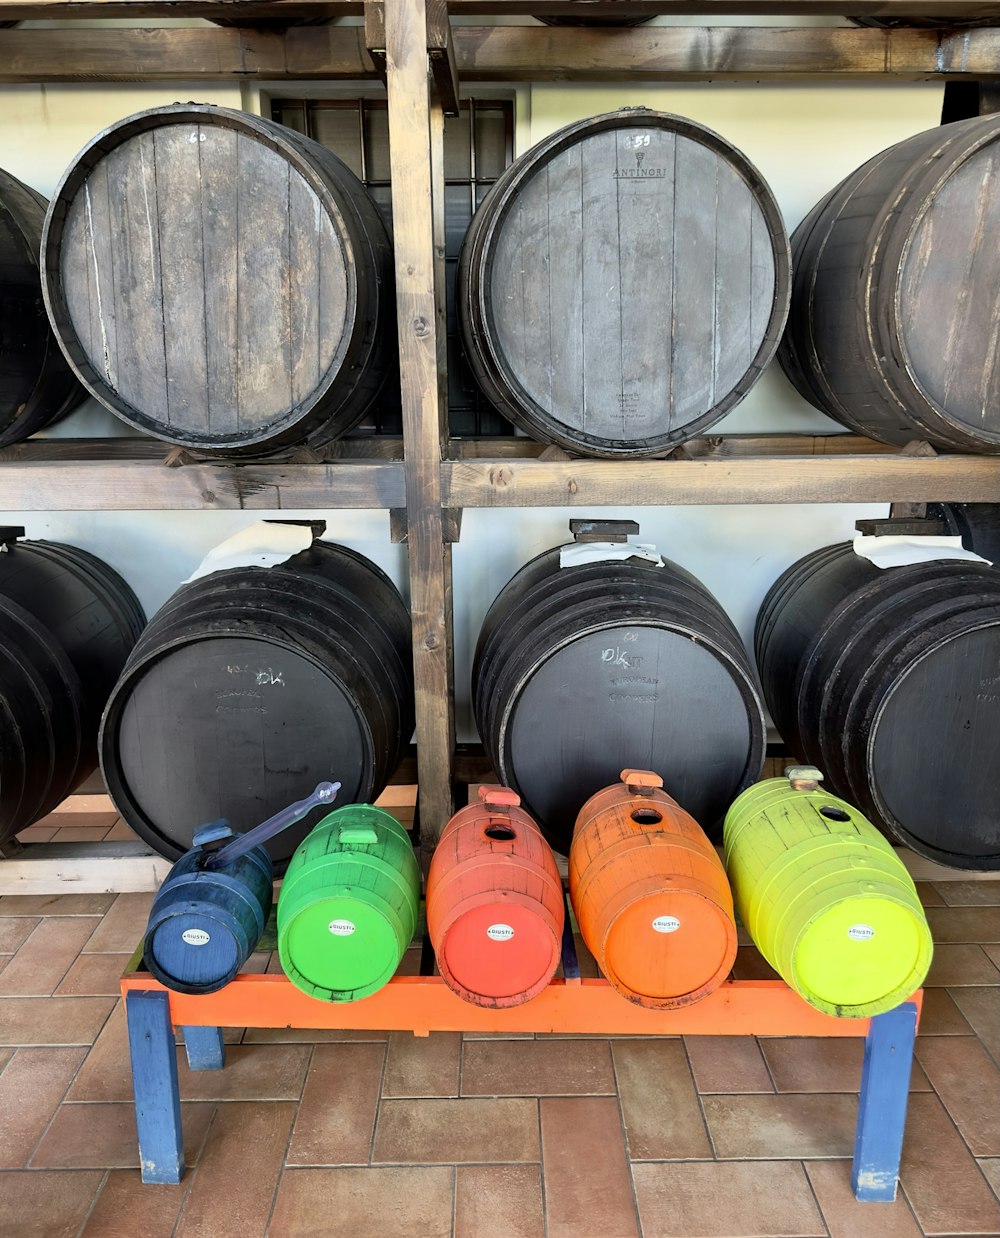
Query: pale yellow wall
[[802, 138], [43, 127]]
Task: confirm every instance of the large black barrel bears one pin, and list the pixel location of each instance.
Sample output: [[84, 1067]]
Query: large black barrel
[[67, 624], [585, 670], [220, 281], [37, 387], [623, 284], [892, 329], [889, 681], [251, 684], [41, 720], [977, 524]]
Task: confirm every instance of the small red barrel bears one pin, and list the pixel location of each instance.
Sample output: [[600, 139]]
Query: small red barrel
[[650, 894], [495, 905]]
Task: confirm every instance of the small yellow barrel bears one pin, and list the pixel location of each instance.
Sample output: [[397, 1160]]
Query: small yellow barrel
[[824, 897]]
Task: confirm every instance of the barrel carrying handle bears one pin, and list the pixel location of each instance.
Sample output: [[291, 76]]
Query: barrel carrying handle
[[641, 781], [499, 800], [325, 793], [803, 777], [618, 531], [357, 835]]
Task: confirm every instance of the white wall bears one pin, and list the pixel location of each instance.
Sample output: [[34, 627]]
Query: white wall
[[803, 139]]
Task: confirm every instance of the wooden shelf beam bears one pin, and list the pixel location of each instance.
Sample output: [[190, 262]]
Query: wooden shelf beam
[[138, 485], [131, 475], [740, 479], [506, 53]]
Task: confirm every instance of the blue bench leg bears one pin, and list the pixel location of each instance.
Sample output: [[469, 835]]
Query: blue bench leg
[[885, 1086], [154, 1082], [205, 1050]]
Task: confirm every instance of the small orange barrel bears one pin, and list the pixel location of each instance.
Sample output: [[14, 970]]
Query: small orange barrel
[[495, 907], [650, 894]]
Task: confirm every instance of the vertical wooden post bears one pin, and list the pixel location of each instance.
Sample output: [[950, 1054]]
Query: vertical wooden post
[[425, 427], [885, 1089]]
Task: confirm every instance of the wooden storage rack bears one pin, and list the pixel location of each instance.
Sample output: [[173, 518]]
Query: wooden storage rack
[[410, 44]]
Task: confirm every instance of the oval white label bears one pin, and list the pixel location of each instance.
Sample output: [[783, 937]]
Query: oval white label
[[666, 924], [342, 928], [195, 937], [499, 932], [860, 932]]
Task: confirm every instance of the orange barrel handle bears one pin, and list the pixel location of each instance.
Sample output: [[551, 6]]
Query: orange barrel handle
[[650, 894]]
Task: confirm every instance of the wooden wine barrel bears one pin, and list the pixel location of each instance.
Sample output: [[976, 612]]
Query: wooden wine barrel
[[623, 284], [581, 669], [895, 290], [85, 604], [650, 895], [977, 524], [825, 898], [495, 907], [887, 680], [348, 904], [251, 683], [205, 923], [42, 708], [220, 281], [37, 387], [75, 620]]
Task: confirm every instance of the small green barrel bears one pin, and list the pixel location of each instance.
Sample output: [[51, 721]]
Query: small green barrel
[[824, 897], [348, 904]]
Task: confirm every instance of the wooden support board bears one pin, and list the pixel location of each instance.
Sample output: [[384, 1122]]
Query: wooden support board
[[83, 868], [130, 475], [505, 54], [422, 1004], [33, 485], [875, 478]]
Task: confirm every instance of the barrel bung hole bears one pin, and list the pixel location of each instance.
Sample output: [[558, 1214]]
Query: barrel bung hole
[[500, 833], [647, 816], [833, 813]]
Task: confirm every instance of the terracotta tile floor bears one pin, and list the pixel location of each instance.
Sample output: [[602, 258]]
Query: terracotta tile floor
[[366, 1135]]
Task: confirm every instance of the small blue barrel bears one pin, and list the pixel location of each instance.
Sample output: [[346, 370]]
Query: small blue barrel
[[205, 923]]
